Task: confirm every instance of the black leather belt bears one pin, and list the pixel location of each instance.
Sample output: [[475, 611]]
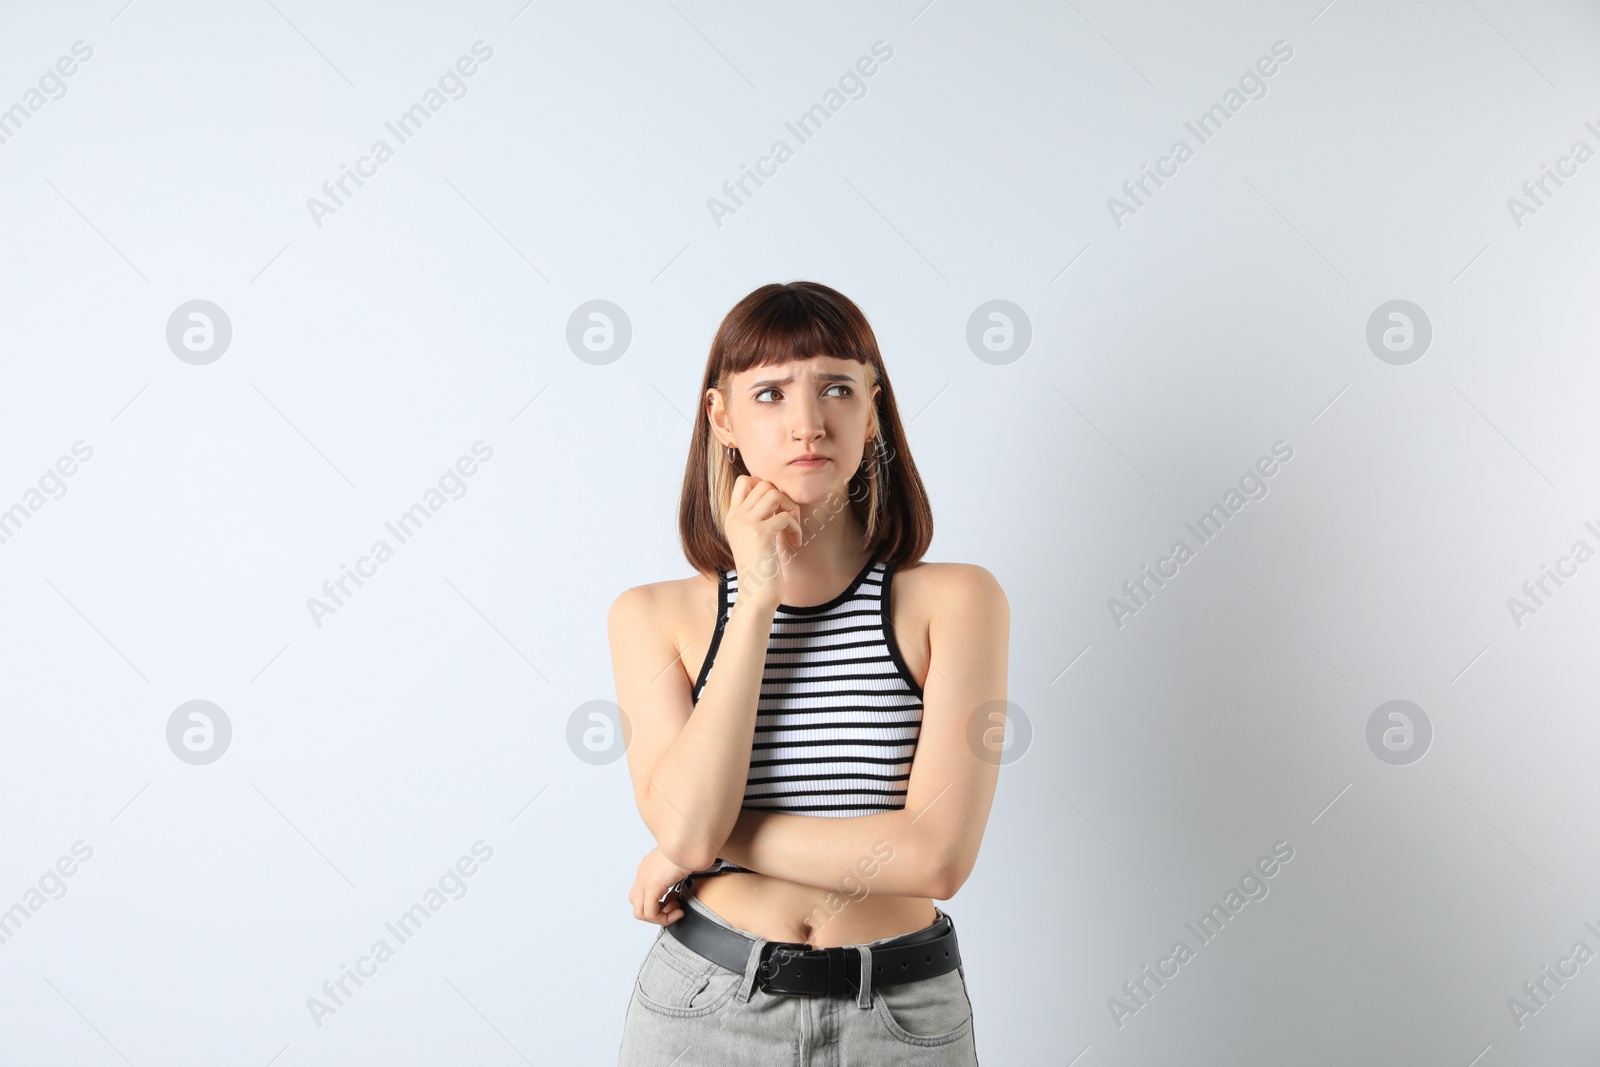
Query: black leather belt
[[801, 970]]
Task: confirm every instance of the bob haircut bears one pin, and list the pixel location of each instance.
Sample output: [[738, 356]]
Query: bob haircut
[[775, 324]]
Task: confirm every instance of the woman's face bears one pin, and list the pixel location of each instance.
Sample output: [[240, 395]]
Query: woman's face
[[818, 407]]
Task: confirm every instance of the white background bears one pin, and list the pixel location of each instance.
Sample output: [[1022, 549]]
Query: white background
[[429, 312]]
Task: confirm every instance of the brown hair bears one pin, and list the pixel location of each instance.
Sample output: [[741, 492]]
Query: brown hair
[[772, 325]]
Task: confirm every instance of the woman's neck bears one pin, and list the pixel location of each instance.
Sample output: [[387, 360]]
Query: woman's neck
[[825, 563]]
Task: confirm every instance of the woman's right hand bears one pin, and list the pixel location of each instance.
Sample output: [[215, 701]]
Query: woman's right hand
[[656, 876], [763, 530]]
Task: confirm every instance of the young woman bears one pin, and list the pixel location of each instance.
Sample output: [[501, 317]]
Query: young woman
[[808, 752]]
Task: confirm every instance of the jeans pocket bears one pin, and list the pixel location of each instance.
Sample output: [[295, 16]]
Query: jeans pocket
[[676, 981], [933, 1011]]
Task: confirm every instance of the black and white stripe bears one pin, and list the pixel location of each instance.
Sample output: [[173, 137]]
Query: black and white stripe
[[839, 714]]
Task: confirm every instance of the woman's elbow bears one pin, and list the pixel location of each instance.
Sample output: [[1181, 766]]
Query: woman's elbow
[[949, 876], [690, 855], [675, 838], [687, 849]]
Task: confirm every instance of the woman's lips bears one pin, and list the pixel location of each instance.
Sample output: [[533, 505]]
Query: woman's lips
[[809, 461]]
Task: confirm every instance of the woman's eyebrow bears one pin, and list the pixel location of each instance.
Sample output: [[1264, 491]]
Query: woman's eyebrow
[[826, 377]]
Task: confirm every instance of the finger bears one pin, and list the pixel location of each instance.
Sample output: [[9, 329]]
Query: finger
[[651, 910], [782, 520], [759, 501], [791, 512], [754, 489], [668, 904]]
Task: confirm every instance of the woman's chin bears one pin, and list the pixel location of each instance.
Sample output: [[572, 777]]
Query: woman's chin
[[809, 492]]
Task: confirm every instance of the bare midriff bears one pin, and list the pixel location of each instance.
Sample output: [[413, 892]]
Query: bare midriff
[[780, 910]]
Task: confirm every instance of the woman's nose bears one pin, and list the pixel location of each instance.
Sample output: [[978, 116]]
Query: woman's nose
[[807, 421]]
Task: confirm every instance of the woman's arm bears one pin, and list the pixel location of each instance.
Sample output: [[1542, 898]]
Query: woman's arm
[[885, 850], [688, 770], [935, 838]]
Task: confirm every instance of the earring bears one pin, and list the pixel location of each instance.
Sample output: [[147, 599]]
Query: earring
[[733, 454]]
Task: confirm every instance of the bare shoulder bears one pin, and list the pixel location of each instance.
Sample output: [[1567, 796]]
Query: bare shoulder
[[940, 589], [653, 601], [672, 612], [954, 613]]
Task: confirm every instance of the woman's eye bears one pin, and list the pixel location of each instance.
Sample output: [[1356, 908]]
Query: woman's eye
[[771, 389]]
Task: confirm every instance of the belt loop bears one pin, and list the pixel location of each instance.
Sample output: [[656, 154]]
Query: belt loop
[[751, 967], [864, 1000]]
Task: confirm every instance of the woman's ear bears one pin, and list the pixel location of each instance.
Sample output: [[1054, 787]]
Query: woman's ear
[[717, 416]]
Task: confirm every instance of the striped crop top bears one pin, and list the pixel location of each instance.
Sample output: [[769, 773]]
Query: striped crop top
[[839, 713]]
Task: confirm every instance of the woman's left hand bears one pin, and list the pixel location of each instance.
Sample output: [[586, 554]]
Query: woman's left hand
[[657, 874]]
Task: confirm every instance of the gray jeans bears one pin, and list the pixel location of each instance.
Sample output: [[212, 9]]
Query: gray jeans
[[688, 1011]]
